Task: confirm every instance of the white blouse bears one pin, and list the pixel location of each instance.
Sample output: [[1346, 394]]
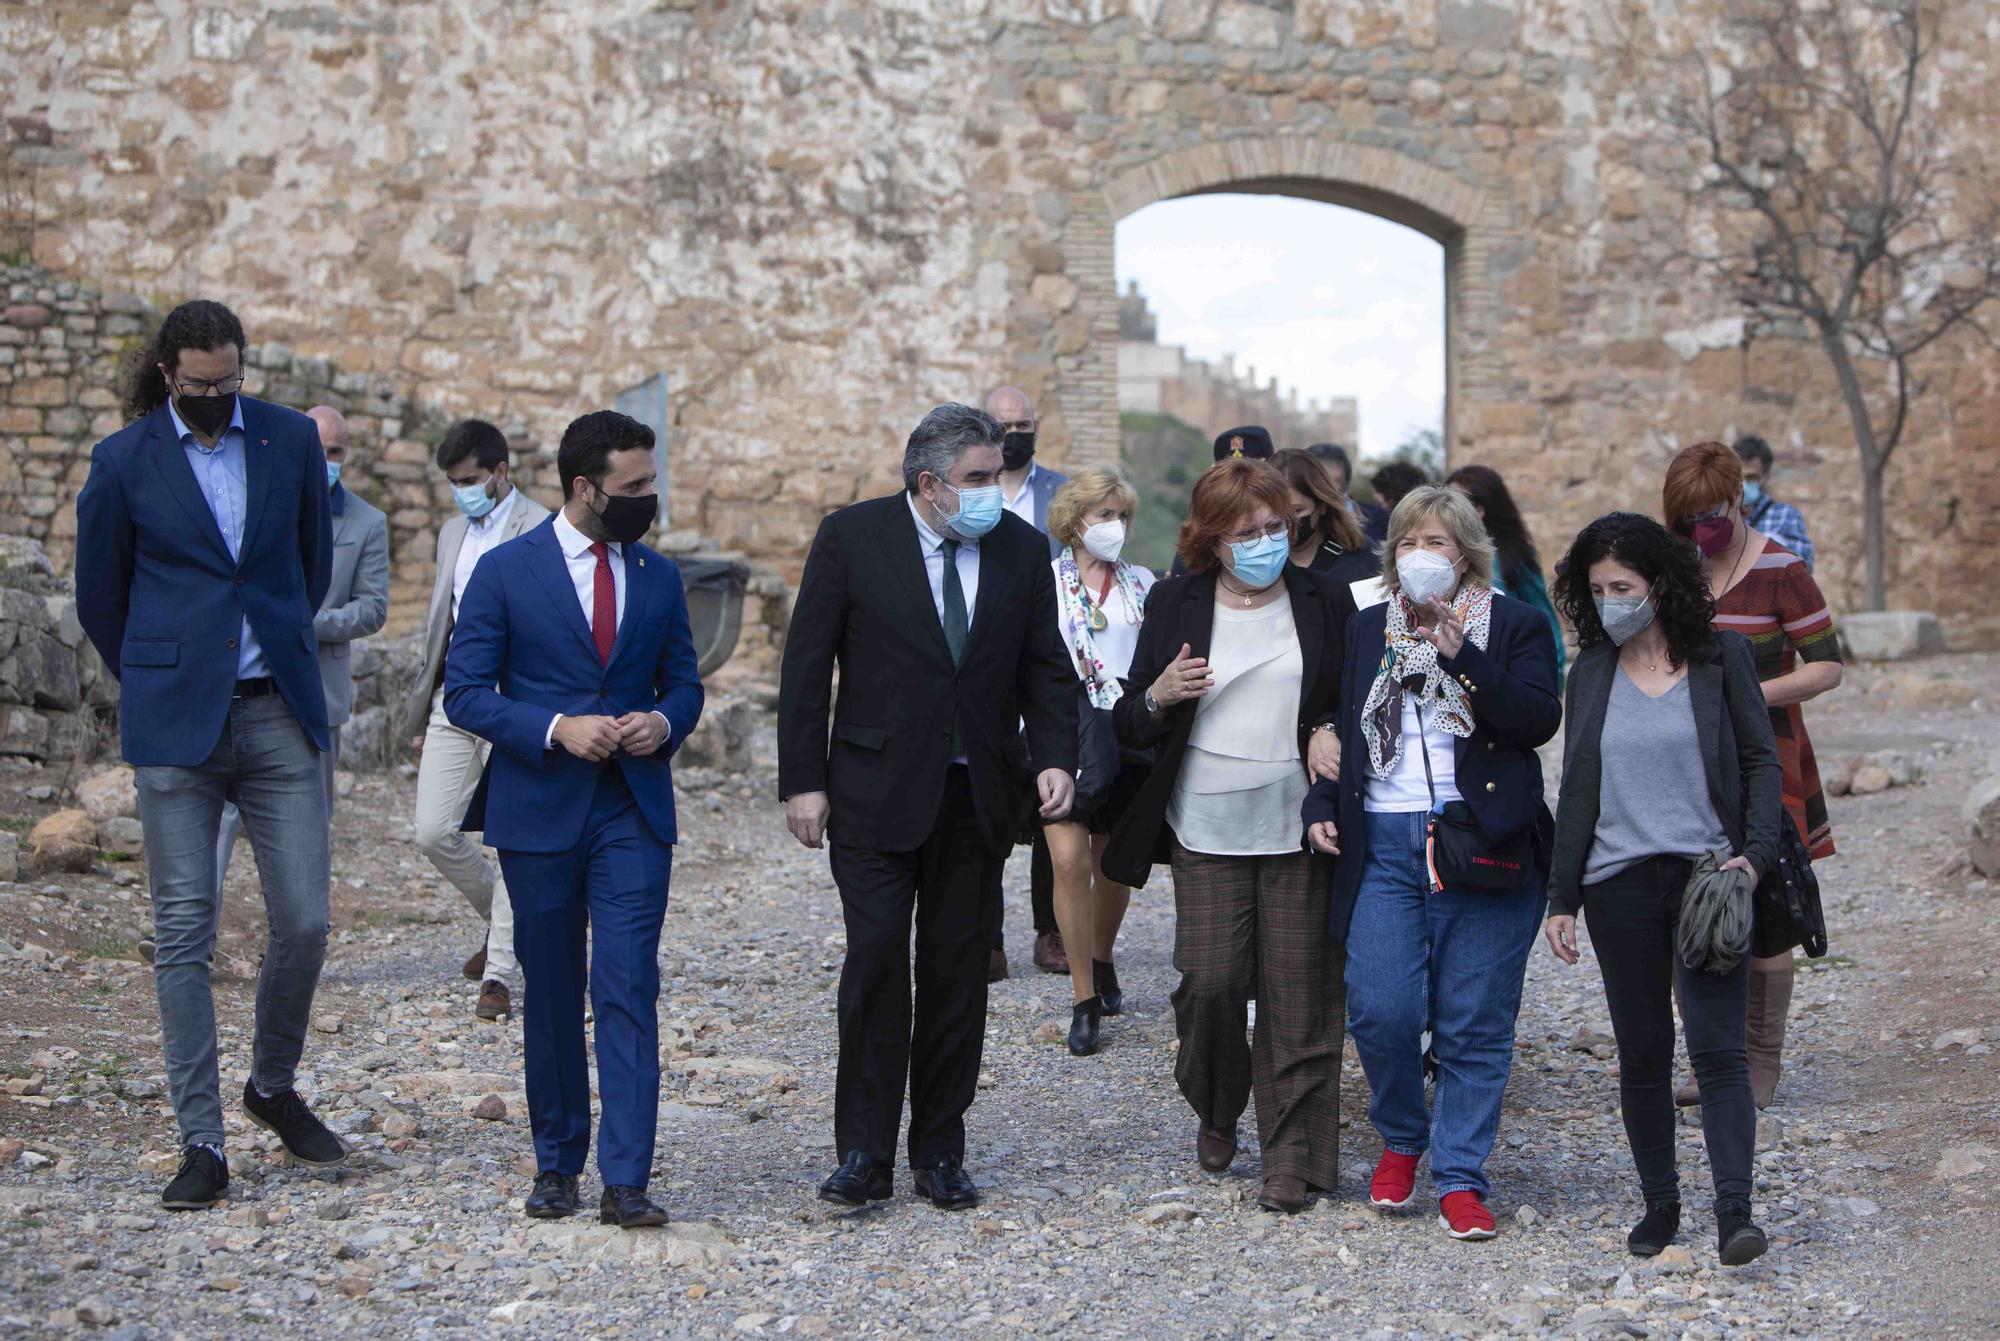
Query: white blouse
[[1242, 782]]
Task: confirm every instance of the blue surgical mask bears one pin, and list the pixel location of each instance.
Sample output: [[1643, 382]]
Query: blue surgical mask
[[1260, 562], [1753, 493], [978, 510], [472, 499], [332, 473]]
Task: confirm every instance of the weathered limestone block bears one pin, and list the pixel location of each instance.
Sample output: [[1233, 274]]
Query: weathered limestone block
[[1891, 635], [110, 794], [64, 841], [1981, 816]]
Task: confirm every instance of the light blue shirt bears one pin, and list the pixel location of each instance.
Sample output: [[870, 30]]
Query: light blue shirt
[[220, 473]]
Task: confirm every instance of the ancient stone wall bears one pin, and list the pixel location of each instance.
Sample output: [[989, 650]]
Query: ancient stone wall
[[820, 218]]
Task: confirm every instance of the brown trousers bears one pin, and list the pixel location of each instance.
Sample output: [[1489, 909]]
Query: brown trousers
[[1259, 924]]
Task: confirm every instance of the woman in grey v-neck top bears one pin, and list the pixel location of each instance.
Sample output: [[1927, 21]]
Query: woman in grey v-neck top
[[1653, 800]]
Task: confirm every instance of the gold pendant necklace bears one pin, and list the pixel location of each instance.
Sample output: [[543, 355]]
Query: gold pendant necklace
[[1234, 590]]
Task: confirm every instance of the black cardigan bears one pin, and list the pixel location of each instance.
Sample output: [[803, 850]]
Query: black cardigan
[[1510, 686], [1182, 610], [1745, 779]]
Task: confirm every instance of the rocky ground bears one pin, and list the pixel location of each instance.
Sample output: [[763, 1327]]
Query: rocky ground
[[1875, 1173]]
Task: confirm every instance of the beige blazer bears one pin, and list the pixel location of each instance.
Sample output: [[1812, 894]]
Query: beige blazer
[[416, 710]]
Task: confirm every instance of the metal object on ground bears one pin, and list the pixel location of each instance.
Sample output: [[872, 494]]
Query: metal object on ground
[[715, 592]]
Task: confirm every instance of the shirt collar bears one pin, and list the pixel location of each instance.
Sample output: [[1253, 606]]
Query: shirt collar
[[928, 537], [182, 432], [1027, 483], [497, 514], [575, 544]]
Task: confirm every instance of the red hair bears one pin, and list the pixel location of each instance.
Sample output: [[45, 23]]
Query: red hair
[[1704, 476], [1224, 497]]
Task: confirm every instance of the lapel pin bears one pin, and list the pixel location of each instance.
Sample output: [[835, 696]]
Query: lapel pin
[[263, 442], [642, 563]]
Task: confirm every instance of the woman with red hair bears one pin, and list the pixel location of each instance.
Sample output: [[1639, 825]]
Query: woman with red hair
[[1240, 666], [1765, 593]]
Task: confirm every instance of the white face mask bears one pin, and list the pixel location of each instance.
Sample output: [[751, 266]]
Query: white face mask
[[1425, 575], [1105, 539]]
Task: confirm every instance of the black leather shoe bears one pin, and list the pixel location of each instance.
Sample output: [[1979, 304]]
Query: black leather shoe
[[1655, 1230], [1215, 1147], [1083, 1026], [202, 1181], [1738, 1242], [1104, 978], [947, 1186], [858, 1181], [553, 1198], [306, 1138], [629, 1208]]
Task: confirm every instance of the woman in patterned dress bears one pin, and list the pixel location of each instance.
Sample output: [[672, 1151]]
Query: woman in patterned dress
[[1765, 593]]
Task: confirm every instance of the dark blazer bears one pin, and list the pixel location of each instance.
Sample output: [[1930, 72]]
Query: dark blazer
[[1346, 566], [1511, 687], [1738, 751], [1045, 483], [1182, 610], [865, 605], [163, 602], [522, 651]]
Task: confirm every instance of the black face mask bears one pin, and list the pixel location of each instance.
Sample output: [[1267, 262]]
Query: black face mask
[[1303, 529], [626, 518], [206, 414], [1017, 449]]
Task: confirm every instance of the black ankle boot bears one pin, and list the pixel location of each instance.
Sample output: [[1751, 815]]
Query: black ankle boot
[[1656, 1230], [1104, 977], [1738, 1241], [1083, 1024]]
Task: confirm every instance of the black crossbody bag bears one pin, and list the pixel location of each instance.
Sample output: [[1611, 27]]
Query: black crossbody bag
[[1457, 853]]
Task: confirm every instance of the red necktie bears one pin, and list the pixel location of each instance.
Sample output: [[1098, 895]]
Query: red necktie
[[603, 603]]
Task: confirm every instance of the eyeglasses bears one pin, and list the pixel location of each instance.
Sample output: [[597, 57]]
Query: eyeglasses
[[1716, 513], [1270, 532], [228, 386]]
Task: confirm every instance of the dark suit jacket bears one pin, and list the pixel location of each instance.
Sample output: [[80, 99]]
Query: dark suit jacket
[[1738, 751], [163, 602], [1346, 566], [522, 651], [1511, 687], [865, 605], [1182, 610]]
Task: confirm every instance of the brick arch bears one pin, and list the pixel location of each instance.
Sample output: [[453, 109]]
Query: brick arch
[[1469, 221]]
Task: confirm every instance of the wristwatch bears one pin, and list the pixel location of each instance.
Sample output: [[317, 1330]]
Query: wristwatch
[[1152, 704]]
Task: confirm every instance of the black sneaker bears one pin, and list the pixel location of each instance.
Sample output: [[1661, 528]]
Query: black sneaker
[[202, 1181], [306, 1138]]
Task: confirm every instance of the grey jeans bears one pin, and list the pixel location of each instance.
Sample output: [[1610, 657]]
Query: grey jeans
[[232, 819], [270, 769]]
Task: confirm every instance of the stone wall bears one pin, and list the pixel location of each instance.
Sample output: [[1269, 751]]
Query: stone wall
[[57, 705], [820, 218]]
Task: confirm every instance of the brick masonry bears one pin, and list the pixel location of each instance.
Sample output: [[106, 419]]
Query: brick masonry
[[819, 219]]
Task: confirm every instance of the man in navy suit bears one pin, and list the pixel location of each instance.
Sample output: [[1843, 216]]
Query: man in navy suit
[[572, 654], [204, 546]]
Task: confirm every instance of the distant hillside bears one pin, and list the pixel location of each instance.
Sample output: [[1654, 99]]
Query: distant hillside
[[1163, 456]]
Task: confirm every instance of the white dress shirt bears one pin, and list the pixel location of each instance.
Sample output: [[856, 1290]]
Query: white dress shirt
[[583, 576], [481, 535], [968, 564], [1022, 504]]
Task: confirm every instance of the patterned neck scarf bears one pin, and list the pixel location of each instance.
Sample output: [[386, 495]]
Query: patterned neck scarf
[[1075, 608], [1409, 661]]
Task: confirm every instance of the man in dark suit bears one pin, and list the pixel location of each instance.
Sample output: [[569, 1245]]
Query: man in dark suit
[[940, 611], [204, 546], [1026, 488], [572, 654]]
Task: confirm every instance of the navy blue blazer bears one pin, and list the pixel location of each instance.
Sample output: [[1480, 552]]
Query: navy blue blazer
[[521, 652], [1511, 686], [163, 602]]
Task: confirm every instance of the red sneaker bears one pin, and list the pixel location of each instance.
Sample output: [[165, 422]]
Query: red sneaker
[[1464, 1216], [1395, 1181]]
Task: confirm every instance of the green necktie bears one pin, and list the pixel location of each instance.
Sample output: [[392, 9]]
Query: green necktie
[[955, 625]]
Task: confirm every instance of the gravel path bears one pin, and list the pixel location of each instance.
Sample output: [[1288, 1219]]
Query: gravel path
[[1874, 1172]]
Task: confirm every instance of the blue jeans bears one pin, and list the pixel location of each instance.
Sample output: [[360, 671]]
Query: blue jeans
[[1453, 962], [592, 915], [270, 769]]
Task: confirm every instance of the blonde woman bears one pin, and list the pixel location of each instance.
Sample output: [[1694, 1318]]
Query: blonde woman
[[1100, 600], [1446, 691]]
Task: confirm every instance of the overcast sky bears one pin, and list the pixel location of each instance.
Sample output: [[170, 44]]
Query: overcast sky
[[1332, 301]]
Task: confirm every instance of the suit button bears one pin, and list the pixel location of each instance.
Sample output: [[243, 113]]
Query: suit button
[[239, 581], [1489, 786], [232, 642], [1492, 745]]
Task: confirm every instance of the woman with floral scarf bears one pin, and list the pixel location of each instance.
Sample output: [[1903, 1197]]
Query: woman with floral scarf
[[1100, 600], [1446, 691]]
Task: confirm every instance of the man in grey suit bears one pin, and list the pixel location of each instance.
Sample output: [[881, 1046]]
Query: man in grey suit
[[356, 605], [491, 511], [1025, 490]]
